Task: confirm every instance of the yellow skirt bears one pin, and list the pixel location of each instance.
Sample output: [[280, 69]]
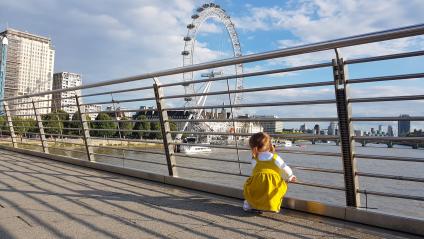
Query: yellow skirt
[[265, 191]]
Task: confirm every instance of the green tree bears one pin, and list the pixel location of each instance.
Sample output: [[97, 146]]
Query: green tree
[[76, 125], [143, 124], [126, 127], [55, 122], [155, 126], [173, 127], [107, 126], [24, 125], [4, 127]]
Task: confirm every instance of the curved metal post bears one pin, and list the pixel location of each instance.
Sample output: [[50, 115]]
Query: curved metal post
[[85, 129], [43, 139], [10, 124], [165, 128], [344, 113]]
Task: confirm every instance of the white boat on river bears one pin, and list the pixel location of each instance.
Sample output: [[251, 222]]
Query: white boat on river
[[194, 149]]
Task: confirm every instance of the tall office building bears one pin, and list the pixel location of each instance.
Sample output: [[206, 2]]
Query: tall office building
[[404, 126], [380, 129], [29, 69], [317, 129], [390, 131], [333, 128], [66, 100]]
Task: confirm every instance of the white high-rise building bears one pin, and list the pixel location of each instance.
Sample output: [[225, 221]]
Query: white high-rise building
[[333, 128], [270, 126], [66, 100], [29, 69], [91, 110]]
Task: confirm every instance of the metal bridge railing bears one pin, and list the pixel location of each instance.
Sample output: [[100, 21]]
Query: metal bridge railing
[[120, 140]]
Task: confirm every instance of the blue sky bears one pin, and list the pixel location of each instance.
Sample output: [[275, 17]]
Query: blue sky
[[105, 39]]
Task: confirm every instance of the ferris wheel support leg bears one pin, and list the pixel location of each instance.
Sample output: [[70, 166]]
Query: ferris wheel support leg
[[165, 128]]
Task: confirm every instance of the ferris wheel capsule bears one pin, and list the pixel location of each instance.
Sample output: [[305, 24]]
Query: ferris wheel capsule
[[187, 38], [190, 26], [195, 16]]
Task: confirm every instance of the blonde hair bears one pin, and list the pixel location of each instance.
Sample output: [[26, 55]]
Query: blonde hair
[[260, 142]]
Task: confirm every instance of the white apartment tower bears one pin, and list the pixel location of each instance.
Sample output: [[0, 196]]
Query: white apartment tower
[[29, 69], [65, 100]]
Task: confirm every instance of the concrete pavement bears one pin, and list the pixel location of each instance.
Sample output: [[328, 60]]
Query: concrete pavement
[[40, 198]]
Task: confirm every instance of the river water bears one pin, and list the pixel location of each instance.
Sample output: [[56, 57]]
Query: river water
[[403, 207]]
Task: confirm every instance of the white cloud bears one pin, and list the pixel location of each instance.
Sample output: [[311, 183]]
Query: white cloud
[[210, 27], [320, 20]]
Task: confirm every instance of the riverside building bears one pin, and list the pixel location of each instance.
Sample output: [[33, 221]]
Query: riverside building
[[29, 69], [66, 101]]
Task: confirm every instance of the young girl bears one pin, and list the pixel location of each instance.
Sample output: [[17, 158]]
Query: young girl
[[265, 189]]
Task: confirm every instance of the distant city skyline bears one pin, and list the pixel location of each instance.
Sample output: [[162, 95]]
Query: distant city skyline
[[383, 129]]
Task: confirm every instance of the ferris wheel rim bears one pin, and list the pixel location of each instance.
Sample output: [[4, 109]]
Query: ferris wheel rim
[[208, 11]]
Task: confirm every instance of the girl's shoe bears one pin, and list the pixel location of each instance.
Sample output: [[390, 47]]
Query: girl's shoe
[[246, 206]]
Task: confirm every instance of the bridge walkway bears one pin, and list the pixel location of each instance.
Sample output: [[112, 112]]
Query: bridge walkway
[[41, 198]]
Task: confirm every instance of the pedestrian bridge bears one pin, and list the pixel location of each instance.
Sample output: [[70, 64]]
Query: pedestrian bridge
[[121, 176], [43, 198]]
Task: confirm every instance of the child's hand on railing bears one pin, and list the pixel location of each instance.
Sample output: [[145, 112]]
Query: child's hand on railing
[[293, 179]]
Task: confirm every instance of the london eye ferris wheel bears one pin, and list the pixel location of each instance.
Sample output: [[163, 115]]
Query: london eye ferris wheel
[[194, 92]]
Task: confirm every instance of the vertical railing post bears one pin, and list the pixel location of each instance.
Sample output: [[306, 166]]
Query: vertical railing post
[[344, 113], [10, 124], [85, 129], [43, 139], [165, 128]]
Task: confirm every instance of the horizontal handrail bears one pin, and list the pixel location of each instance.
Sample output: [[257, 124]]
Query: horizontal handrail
[[130, 140], [282, 136], [284, 103], [390, 158], [257, 89], [385, 78], [395, 118], [126, 130], [119, 101], [66, 135], [130, 159], [376, 193], [394, 177], [384, 57], [251, 74], [388, 138], [308, 48], [304, 168], [325, 119], [117, 91], [388, 98], [127, 149]]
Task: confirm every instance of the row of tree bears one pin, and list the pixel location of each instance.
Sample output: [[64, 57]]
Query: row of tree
[[59, 123]]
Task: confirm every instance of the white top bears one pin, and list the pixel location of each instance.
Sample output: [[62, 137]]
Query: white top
[[287, 173]]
